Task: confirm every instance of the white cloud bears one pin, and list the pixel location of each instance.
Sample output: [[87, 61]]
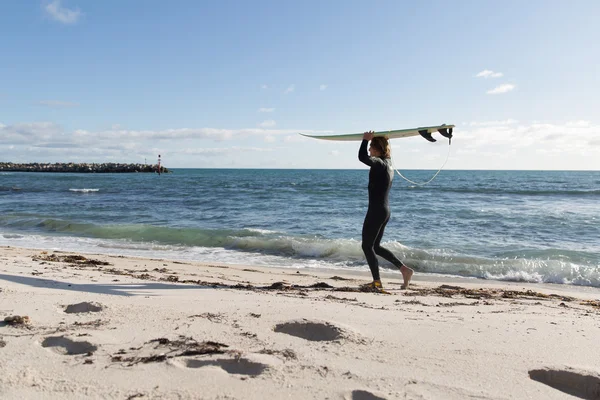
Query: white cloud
[[264, 87], [578, 124], [501, 144], [509, 121], [49, 142], [129, 153], [266, 110], [322, 87], [566, 137], [62, 14], [295, 139], [195, 133], [43, 132], [58, 145], [57, 103], [505, 88], [290, 89], [216, 151], [486, 73], [28, 133], [267, 124]]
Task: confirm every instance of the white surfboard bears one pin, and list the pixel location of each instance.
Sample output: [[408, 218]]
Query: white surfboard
[[426, 131]]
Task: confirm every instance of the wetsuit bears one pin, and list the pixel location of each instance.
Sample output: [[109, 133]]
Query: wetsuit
[[378, 214]]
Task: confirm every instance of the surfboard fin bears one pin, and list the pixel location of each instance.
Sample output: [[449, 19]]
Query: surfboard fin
[[425, 133], [445, 132]]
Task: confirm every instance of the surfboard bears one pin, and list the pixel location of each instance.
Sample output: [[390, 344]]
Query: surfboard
[[425, 131]]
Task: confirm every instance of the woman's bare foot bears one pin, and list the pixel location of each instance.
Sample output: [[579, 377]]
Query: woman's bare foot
[[407, 273]]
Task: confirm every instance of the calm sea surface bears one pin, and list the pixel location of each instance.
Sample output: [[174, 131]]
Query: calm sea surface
[[509, 225]]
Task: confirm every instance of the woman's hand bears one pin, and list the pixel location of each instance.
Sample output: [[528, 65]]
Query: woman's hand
[[368, 135]]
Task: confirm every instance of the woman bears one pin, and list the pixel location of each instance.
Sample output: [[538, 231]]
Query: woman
[[378, 213]]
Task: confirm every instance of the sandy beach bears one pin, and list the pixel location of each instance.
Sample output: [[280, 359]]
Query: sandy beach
[[111, 327]]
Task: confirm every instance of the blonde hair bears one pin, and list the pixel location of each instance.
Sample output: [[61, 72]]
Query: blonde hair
[[383, 145]]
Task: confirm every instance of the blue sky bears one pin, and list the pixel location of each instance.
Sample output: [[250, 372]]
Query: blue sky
[[230, 84]]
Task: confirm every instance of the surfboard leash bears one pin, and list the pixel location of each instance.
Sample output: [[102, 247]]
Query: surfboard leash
[[449, 136]]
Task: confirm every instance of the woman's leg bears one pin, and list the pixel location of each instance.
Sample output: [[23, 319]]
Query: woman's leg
[[388, 255], [382, 251], [370, 232]]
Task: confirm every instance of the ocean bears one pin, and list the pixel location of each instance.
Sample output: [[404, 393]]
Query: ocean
[[531, 226]]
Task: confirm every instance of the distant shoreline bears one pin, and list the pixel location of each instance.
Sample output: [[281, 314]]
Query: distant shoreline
[[82, 167]]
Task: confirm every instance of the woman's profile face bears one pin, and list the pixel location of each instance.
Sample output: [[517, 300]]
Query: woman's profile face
[[373, 151]]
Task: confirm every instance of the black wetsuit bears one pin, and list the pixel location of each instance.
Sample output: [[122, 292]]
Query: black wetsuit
[[378, 214]]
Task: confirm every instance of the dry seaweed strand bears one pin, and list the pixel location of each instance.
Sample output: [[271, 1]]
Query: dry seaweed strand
[[443, 290], [449, 291], [185, 346]]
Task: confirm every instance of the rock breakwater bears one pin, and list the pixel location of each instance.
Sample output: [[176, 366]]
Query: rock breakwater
[[82, 167]]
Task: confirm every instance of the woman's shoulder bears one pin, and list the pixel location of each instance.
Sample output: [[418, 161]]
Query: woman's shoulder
[[382, 162]]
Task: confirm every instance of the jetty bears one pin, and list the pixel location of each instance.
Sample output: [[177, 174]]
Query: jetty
[[83, 167]]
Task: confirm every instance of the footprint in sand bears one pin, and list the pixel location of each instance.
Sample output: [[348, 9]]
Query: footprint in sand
[[315, 331], [232, 366], [83, 308], [66, 346], [253, 365], [579, 383], [362, 395]]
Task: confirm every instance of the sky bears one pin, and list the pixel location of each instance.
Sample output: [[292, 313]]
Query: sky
[[231, 84]]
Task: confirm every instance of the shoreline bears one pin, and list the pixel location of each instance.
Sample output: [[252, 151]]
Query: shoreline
[[364, 276], [110, 326], [386, 273]]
